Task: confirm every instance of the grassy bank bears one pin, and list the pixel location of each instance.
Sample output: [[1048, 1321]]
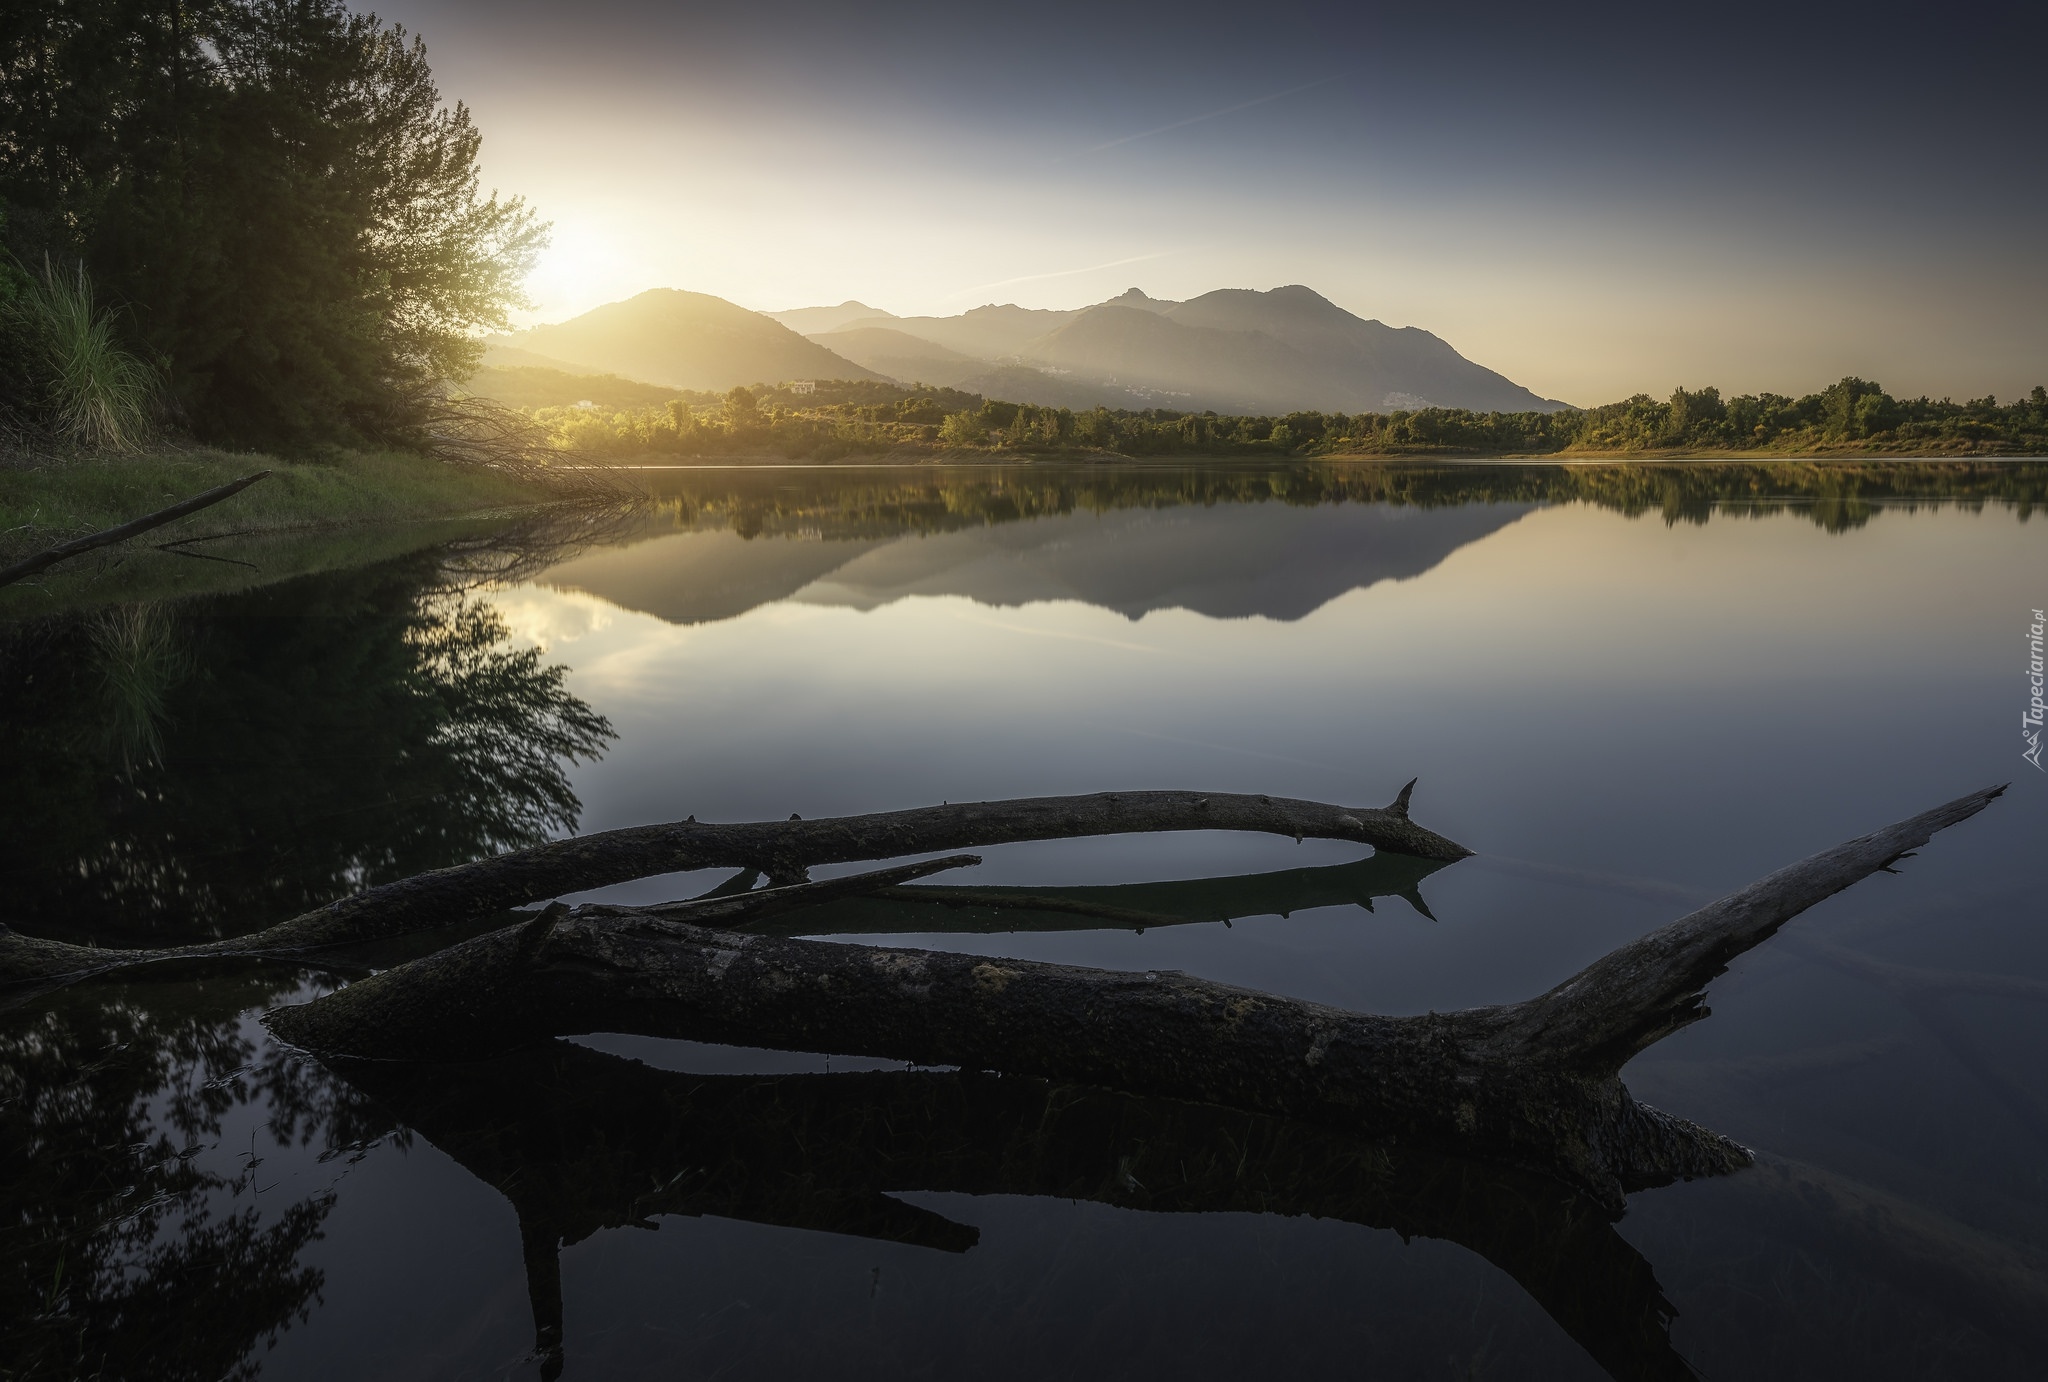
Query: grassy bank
[[306, 516], [50, 502]]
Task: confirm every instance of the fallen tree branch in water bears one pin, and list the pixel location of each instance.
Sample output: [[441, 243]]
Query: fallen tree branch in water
[[783, 850], [1533, 1084]]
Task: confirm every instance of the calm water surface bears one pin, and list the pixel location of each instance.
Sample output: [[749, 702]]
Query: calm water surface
[[1629, 691]]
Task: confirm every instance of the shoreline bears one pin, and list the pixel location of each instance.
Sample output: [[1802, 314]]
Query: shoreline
[[307, 516], [894, 460], [49, 502]]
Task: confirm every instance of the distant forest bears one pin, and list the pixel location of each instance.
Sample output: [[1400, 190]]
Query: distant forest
[[1836, 496], [831, 421]]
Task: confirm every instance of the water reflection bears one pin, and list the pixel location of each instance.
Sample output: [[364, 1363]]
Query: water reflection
[[125, 1253], [1690, 698], [202, 769], [1279, 563], [1144, 538], [579, 1141], [930, 909]]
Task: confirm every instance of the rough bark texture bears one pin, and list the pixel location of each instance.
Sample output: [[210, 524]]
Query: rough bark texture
[[1532, 1085], [783, 850], [1635, 996]]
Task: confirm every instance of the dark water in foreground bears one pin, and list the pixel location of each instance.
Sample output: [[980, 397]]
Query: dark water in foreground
[[1629, 691]]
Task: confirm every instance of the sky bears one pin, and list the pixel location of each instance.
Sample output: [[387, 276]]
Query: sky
[[1595, 200]]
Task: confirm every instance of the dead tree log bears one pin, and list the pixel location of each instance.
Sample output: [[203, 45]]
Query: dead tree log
[[50, 556], [1533, 1084], [783, 850]]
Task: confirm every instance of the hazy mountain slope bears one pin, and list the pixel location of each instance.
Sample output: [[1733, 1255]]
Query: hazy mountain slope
[[1236, 350], [1016, 383], [684, 340], [1360, 365], [1185, 366], [902, 356], [498, 354], [816, 321], [533, 386], [911, 360], [987, 332]]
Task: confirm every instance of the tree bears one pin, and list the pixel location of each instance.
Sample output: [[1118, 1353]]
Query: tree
[[275, 191], [963, 428]]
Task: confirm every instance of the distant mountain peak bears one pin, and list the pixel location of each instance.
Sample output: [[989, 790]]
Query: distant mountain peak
[[679, 339], [813, 321]]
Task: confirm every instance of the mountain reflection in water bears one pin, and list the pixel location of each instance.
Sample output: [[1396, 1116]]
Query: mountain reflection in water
[[1276, 562]]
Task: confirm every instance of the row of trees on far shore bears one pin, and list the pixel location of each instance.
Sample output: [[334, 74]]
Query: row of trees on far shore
[[1852, 416]]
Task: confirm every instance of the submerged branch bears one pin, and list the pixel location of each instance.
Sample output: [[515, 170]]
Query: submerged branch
[[1635, 996]]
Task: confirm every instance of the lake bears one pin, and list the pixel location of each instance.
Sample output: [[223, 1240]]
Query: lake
[[1630, 689]]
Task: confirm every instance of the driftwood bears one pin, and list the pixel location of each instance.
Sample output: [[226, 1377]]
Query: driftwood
[[50, 556], [784, 851], [1534, 1085]]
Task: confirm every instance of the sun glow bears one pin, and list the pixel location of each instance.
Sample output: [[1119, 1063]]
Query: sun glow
[[585, 265]]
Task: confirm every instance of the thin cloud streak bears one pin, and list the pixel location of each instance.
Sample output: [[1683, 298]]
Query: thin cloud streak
[[1062, 273], [1212, 115]]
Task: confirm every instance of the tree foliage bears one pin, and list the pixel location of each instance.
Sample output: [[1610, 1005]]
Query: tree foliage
[[1851, 417], [276, 193]]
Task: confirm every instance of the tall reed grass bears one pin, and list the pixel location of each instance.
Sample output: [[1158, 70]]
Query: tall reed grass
[[96, 393]]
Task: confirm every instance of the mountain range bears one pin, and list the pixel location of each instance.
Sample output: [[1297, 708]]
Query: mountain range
[[1234, 351]]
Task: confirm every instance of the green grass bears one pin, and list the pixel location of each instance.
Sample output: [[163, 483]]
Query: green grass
[[100, 396], [308, 515], [64, 499]]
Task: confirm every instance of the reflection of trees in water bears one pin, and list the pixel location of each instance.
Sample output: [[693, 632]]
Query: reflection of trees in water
[[206, 768], [243, 758], [116, 1257], [850, 504]]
